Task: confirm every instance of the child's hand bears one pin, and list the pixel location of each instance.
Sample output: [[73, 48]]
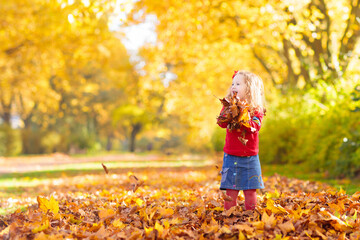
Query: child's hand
[[224, 116], [235, 112]]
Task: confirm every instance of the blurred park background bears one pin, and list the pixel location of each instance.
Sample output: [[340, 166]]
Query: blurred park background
[[95, 76]]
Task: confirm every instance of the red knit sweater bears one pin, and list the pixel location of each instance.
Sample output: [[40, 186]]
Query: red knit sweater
[[233, 145]]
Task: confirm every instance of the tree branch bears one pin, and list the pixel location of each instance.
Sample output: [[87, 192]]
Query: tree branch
[[278, 52], [304, 68], [348, 44], [263, 63], [328, 55], [291, 78]]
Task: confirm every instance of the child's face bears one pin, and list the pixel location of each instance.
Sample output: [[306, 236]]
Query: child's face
[[239, 87]]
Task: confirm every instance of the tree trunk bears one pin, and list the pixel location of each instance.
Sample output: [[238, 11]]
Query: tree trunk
[[135, 130], [6, 116], [26, 140], [109, 143]]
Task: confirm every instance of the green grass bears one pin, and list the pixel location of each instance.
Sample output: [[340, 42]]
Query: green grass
[[301, 172], [5, 211]]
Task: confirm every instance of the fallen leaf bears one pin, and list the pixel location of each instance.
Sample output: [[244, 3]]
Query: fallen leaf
[[48, 205], [286, 227]]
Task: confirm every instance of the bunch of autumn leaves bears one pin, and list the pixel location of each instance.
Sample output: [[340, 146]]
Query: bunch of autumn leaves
[[236, 113]]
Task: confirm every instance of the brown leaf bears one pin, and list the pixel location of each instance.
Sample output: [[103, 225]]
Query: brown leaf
[[286, 227], [225, 102], [236, 113], [136, 183], [243, 140], [133, 178], [244, 227], [105, 168], [226, 198]]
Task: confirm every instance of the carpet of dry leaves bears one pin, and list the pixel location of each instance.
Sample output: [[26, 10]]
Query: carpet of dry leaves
[[181, 204]]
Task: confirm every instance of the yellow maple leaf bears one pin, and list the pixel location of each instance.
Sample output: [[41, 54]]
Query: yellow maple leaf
[[274, 208], [270, 220], [48, 205]]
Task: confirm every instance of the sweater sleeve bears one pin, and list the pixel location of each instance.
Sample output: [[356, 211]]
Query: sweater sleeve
[[222, 124], [255, 122]]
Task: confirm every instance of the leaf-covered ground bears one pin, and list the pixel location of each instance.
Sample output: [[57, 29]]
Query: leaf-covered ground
[[181, 204]]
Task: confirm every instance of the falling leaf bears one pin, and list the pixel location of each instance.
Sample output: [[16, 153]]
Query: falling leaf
[[136, 183], [105, 168], [243, 140], [227, 198], [133, 178]]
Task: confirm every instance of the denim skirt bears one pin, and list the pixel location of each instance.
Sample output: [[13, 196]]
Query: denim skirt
[[241, 173]]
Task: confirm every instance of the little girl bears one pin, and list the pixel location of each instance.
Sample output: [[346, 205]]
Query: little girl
[[241, 166]]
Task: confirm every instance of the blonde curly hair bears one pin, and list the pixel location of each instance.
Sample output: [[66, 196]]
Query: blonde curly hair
[[255, 95]]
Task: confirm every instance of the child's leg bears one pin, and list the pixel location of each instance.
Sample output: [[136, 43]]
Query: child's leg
[[233, 194], [250, 199]]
